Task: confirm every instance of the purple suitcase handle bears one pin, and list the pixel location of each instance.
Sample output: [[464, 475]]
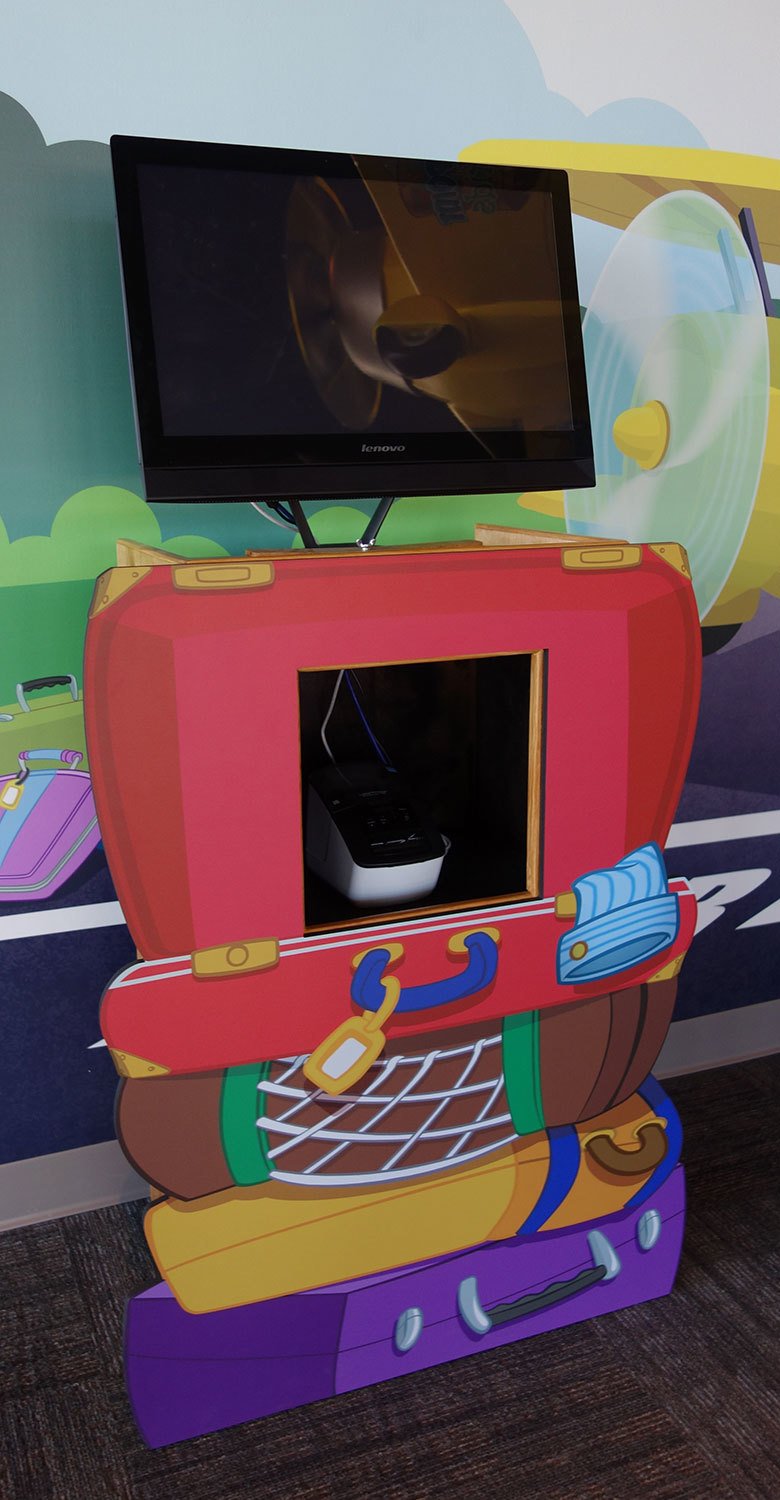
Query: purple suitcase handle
[[606, 1266]]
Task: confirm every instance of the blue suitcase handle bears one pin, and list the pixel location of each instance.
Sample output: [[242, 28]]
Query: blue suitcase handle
[[368, 989], [70, 758]]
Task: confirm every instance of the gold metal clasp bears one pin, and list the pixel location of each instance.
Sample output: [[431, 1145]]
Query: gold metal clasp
[[600, 559], [223, 575], [235, 958]]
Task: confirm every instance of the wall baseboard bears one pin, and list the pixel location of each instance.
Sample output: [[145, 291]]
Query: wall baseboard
[[73, 1182], [66, 1182], [726, 1036]]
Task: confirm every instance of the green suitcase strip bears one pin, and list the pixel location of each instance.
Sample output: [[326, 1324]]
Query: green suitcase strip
[[244, 1145], [522, 1072]]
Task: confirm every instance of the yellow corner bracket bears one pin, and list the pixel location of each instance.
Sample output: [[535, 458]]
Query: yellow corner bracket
[[669, 971], [129, 1066]]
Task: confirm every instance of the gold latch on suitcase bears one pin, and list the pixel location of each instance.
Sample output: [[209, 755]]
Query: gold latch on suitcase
[[223, 575], [235, 958], [600, 559]]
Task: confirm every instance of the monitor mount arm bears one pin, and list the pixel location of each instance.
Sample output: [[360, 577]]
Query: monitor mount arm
[[363, 542]]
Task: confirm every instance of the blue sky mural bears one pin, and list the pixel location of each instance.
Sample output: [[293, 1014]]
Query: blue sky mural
[[411, 76]]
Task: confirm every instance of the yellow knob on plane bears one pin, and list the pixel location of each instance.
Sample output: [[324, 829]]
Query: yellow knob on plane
[[642, 433]]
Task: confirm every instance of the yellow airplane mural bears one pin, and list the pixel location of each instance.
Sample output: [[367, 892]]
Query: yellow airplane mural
[[612, 185]]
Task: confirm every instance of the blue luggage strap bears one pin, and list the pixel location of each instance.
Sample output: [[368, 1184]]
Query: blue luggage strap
[[658, 1100], [566, 1155], [563, 1166]]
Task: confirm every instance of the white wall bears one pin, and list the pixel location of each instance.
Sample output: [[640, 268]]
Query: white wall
[[714, 60]]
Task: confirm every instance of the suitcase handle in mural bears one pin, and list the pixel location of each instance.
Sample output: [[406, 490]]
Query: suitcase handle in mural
[[481, 948], [70, 758], [12, 787], [616, 1159], [33, 683], [606, 1266]]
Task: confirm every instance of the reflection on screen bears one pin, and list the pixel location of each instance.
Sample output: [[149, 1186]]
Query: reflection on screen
[[357, 304]]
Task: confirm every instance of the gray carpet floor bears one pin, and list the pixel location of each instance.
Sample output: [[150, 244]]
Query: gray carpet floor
[[675, 1400]]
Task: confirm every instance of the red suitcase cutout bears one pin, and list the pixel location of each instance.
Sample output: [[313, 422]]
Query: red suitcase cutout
[[589, 655]]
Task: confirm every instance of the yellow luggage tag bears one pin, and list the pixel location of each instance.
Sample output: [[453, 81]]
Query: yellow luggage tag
[[11, 795], [347, 1054]]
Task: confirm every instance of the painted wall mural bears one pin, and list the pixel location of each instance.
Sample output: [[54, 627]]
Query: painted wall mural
[[381, 1141], [69, 486]]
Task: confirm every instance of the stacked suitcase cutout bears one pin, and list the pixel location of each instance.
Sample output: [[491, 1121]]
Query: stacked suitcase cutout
[[505, 1163]]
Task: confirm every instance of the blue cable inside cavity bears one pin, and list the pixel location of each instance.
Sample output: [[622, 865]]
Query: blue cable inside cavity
[[353, 685]]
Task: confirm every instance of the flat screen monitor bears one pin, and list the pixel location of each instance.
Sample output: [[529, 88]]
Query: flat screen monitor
[[314, 324]]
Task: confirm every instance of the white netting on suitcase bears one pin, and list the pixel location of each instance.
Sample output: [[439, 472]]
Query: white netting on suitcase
[[394, 1087]]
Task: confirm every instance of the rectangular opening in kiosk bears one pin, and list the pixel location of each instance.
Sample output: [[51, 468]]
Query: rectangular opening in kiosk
[[421, 786]]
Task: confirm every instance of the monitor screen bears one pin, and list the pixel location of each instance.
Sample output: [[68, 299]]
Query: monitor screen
[[312, 323]]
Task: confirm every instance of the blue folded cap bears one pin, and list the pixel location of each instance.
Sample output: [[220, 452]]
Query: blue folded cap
[[625, 915]]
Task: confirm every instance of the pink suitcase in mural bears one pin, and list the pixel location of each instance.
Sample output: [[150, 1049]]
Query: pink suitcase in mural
[[48, 824], [542, 698]]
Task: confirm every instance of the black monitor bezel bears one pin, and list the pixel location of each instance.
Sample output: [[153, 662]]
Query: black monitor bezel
[[312, 465]]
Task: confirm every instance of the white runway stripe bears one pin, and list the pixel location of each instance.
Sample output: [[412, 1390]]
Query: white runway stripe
[[724, 830], [109, 913], [67, 919]]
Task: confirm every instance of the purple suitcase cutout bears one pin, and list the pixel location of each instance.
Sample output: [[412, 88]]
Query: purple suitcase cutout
[[51, 830], [191, 1374]]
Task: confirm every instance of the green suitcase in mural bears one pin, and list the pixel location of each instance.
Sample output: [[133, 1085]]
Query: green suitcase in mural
[[57, 719]]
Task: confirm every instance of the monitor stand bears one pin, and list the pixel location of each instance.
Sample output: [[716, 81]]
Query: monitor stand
[[364, 542]]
